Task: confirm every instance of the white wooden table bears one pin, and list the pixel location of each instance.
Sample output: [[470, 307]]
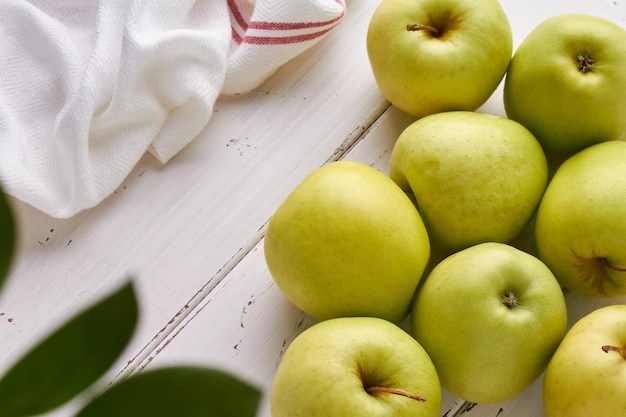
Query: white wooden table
[[190, 233]]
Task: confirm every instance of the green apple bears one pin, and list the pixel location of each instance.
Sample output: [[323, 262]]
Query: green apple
[[355, 366], [475, 177], [566, 83], [490, 317], [347, 241], [587, 374], [580, 231], [429, 56]]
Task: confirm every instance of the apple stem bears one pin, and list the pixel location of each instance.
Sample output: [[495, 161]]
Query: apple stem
[[585, 64], [614, 268], [609, 348], [374, 390], [416, 26]]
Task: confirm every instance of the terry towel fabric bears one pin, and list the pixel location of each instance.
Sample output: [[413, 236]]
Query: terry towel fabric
[[87, 87]]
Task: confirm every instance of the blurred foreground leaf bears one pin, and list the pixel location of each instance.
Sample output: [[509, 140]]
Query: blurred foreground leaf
[[7, 237], [70, 359], [177, 391]]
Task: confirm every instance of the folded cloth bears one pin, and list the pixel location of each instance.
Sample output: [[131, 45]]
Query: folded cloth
[[87, 87]]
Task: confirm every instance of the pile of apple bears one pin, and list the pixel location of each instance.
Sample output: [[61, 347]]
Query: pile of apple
[[477, 229]]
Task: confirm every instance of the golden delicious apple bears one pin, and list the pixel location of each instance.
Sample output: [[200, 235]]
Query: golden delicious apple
[[347, 242], [355, 366], [429, 56], [587, 375], [490, 317], [580, 230], [567, 83], [475, 177]]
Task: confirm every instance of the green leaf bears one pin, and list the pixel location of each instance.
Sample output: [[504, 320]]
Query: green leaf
[[177, 391], [72, 358], [7, 237]]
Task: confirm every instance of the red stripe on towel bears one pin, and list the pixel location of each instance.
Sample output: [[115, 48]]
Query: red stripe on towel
[[278, 26]]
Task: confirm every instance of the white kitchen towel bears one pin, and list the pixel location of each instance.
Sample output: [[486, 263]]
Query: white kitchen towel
[[87, 87]]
